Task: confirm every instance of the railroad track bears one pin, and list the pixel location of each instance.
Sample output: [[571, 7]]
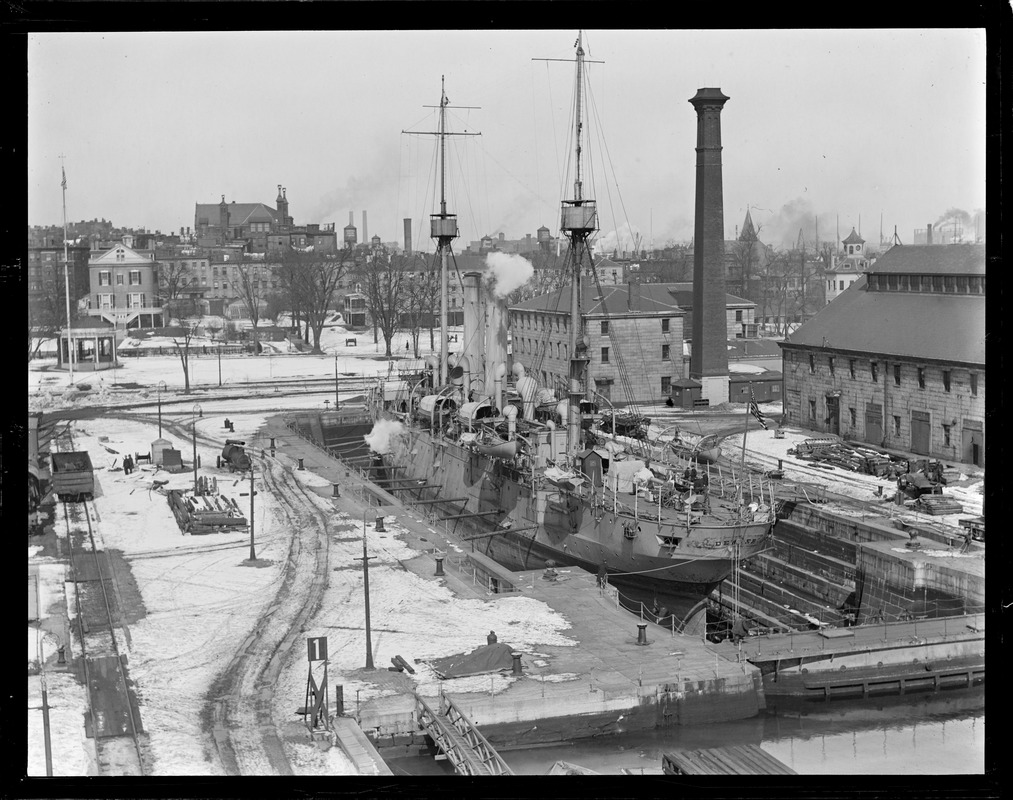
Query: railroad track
[[114, 717]]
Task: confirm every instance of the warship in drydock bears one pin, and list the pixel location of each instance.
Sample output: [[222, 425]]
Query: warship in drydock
[[534, 479]]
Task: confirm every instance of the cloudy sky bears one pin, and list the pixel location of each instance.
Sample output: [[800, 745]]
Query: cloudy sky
[[855, 126]]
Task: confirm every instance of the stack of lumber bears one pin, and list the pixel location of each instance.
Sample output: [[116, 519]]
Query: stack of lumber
[[830, 450], [937, 505]]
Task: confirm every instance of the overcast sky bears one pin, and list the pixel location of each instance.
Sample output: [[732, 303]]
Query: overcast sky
[[855, 125]]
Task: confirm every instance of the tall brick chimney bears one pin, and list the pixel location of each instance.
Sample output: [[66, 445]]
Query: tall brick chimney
[[709, 360], [928, 234], [407, 234]]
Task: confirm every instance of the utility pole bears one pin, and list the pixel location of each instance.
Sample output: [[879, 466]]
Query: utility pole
[[66, 272], [161, 388], [196, 412], [253, 552], [365, 584], [335, 381]]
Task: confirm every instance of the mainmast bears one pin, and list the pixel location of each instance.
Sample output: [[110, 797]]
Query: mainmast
[[578, 223], [443, 226]]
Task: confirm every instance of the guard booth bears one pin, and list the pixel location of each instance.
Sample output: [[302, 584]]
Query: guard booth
[[89, 343], [685, 392], [595, 464]]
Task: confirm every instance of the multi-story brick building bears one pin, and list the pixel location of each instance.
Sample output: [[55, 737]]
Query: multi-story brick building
[[124, 288], [898, 360], [635, 335], [47, 279]]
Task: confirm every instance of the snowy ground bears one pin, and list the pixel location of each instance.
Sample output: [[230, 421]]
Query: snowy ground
[[200, 595]]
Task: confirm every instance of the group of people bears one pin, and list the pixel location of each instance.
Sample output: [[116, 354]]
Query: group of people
[[128, 464]]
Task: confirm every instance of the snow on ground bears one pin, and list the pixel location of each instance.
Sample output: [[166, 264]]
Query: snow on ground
[[967, 491], [201, 600]]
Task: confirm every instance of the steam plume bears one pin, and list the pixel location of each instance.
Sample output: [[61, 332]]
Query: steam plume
[[506, 272], [378, 439]]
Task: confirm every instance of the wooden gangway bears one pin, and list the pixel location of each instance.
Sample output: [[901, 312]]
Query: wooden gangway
[[458, 739], [738, 760]]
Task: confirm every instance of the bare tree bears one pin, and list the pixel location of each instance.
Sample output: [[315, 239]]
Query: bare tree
[[172, 278], [422, 297], [383, 278], [252, 286], [47, 308], [182, 344]]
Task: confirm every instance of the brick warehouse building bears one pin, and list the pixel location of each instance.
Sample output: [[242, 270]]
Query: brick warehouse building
[[898, 359]]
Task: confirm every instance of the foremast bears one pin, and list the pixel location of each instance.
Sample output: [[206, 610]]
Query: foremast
[[443, 226]]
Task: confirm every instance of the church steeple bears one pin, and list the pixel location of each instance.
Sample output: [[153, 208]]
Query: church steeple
[[748, 231], [282, 202]]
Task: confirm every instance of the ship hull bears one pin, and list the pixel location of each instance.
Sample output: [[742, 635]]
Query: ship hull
[[527, 527]]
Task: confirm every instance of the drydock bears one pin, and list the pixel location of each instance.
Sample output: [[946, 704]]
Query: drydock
[[625, 673]]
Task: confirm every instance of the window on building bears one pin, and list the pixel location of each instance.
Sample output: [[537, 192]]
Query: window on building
[[874, 371], [604, 355], [853, 416], [738, 315], [665, 350], [851, 367], [135, 277], [119, 278], [921, 377], [105, 278], [946, 435], [812, 364], [972, 380], [946, 380], [949, 283], [225, 284], [830, 364], [604, 327], [896, 374], [812, 409], [666, 386], [105, 301], [135, 300], [664, 325], [896, 425]]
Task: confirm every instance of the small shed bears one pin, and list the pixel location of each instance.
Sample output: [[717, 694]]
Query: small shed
[[685, 392], [172, 460], [766, 386], [158, 447], [89, 344]]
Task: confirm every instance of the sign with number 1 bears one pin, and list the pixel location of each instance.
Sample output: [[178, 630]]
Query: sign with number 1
[[316, 648]]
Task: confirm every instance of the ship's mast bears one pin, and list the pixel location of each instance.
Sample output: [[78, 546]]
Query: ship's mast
[[578, 223], [443, 226]]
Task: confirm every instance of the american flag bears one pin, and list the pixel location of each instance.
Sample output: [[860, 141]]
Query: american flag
[[63, 172], [755, 409]]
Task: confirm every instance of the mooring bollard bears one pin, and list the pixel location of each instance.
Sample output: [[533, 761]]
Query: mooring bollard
[[379, 524], [336, 493], [339, 700], [780, 463], [300, 464], [439, 565], [641, 633], [61, 654], [517, 663], [272, 443]]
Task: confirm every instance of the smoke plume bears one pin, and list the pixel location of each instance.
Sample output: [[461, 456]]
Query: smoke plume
[[957, 214], [506, 272], [378, 439]]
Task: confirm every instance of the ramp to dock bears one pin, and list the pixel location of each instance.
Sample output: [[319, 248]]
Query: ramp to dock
[[739, 760], [458, 739]]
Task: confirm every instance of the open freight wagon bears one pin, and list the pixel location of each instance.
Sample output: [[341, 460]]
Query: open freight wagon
[[73, 476]]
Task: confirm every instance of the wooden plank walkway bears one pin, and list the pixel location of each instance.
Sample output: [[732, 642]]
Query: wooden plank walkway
[[747, 759]]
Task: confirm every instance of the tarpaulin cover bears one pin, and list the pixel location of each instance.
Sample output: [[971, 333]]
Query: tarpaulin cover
[[487, 658]]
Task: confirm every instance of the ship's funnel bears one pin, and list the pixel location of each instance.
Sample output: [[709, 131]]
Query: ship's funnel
[[495, 338], [563, 409], [474, 323]]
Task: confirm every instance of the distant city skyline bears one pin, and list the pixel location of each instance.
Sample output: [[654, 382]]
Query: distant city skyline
[[861, 127]]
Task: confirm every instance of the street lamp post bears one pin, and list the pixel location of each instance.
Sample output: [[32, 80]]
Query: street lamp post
[[253, 552], [219, 365], [365, 583], [161, 388], [196, 412], [335, 381]]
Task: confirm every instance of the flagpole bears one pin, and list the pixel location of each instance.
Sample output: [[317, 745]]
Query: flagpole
[[66, 272], [742, 463]]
